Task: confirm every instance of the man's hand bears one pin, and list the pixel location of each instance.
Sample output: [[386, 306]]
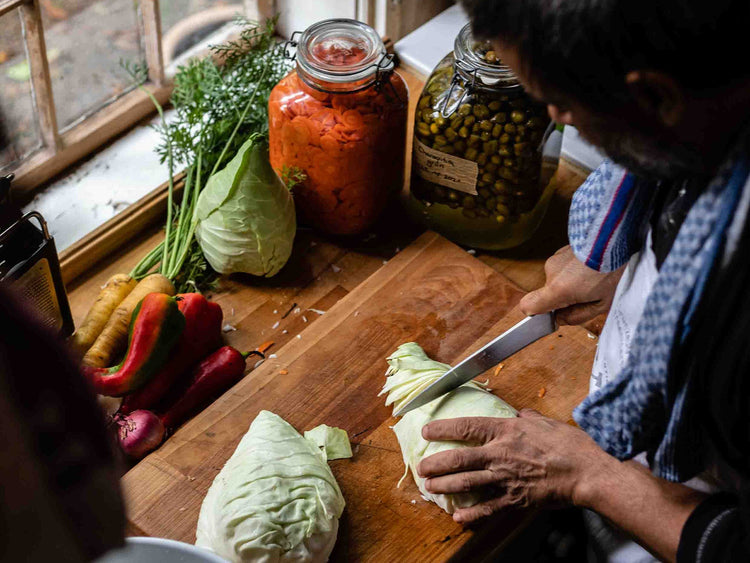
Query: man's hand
[[577, 292], [524, 461]]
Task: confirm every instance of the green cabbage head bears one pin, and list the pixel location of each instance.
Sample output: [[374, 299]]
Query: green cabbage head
[[276, 499], [245, 215]]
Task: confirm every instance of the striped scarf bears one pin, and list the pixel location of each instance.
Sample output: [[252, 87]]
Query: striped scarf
[[643, 408]]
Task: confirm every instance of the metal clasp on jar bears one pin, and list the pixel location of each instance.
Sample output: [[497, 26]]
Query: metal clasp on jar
[[469, 70], [291, 42], [384, 70]]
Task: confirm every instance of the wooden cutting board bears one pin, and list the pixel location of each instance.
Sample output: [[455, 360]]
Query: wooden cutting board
[[433, 293]]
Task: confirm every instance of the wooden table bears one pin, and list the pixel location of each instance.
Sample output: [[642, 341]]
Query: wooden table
[[323, 270]]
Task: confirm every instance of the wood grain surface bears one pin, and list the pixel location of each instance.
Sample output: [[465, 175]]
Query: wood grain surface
[[432, 292]]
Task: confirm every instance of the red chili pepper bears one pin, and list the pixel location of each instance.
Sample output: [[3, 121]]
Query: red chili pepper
[[209, 379], [202, 335], [155, 328]]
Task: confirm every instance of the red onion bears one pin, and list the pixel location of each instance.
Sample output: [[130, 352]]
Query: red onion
[[139, 433]]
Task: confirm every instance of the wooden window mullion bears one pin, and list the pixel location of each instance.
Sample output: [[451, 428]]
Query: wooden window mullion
[[8, 5], [36, 49], [152, 32]]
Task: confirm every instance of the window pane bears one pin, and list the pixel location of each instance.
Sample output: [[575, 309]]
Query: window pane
[[19, 132], [86, 40], [186, 23]]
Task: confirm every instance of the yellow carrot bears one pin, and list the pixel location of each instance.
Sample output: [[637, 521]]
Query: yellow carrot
[[112, 294], [113, 338]]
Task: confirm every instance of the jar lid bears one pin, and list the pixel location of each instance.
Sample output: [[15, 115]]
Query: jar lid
[[472, 65], [342, 51]]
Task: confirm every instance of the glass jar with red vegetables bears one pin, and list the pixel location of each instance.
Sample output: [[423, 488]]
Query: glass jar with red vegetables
[[339, 118], [484, 151]]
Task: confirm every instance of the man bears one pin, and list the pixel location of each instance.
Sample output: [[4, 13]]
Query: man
[[60, 497], [661, 237]]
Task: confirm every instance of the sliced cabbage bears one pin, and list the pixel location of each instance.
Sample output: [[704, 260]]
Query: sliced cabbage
[[245, 215], [275, 499], [411, 371]]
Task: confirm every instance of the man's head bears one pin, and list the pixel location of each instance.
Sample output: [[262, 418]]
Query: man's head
[[648, 81]]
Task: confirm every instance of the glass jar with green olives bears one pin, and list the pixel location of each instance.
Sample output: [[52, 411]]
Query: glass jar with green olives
[[484, 151]]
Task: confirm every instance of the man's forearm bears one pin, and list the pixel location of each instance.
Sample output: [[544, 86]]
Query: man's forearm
[[650, 509]]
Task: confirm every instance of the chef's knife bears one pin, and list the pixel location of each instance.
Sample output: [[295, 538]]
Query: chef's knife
[[508, 343]]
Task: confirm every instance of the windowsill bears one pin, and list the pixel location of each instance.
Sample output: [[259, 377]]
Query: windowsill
[[97, 189]]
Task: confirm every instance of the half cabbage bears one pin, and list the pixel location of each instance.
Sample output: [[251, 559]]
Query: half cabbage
[[411, 371], [276, 498]]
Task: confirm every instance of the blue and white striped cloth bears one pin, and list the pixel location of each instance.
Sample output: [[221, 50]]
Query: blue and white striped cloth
[[643, 409]]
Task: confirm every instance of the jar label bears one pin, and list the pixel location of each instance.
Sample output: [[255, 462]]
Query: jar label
[[445, 169]]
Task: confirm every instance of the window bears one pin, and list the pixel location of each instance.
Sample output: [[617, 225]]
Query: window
[[65, 92], [69, 62], [19, 130]]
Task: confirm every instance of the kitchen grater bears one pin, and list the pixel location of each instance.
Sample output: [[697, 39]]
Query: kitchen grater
[[29, 264]]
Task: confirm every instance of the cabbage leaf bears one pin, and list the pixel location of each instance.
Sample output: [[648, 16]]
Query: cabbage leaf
[[333, 442]]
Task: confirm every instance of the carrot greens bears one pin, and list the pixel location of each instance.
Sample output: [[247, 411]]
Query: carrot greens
[[219, 102]]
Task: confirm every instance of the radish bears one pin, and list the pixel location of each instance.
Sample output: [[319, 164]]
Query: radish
[[139, 433]]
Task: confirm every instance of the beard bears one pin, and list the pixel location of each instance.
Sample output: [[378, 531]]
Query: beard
[[646, 156]]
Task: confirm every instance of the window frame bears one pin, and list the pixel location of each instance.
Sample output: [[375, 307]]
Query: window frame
[[61, 149]]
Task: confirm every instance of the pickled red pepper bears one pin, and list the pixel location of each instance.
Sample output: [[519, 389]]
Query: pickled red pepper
[[349, 145]]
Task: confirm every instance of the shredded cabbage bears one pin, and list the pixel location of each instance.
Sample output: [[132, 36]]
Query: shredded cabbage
[[275, 499], [411, 371], [245, 215]]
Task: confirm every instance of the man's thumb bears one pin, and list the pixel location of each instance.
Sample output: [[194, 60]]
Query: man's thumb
[[541, 301]]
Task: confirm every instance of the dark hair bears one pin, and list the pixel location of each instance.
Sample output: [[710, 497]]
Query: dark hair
[[585, 47]]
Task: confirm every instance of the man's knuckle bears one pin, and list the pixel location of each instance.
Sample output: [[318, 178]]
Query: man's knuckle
[[463, 428], [557, 285], [516, 496], [426, 465], [509, 426], [483, 456], [458, 458]]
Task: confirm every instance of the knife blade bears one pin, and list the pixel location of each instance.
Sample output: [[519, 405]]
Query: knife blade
[[508, 343]]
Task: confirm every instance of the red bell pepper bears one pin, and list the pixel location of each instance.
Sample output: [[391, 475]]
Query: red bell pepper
[[155, 328], [209, 379], [202, 335]]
